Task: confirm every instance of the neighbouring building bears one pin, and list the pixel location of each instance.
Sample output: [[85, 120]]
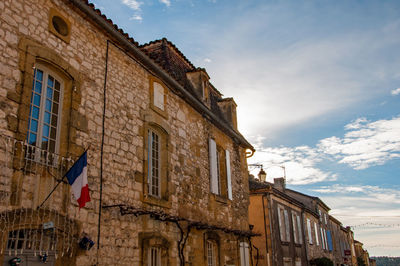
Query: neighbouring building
[[361, 253], [295, 228], [167, 168], [278, 219]]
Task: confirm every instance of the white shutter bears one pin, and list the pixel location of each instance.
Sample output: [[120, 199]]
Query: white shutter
[[158, 95], [309, 231], [244, 254], [247, 255], [228, 174], [294, 228], [213, 167], [316, 234], [280, 224], [322, 238], [287, 225], [299, 229]]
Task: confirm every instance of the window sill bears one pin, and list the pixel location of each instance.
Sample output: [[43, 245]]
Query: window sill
[[159, 111], [219, 198], [156, 201]]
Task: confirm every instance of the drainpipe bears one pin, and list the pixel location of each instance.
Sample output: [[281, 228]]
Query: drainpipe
[[304, 236], [265, 227], [270, 228]]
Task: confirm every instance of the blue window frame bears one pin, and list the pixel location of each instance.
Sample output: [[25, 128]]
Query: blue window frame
[[45, 110]]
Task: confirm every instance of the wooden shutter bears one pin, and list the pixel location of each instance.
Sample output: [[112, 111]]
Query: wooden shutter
[[316, 234], [213, 167], [294, 228], [309, 231], [287, 225], [322, 237], [244, 254], [299, 229], [228, 174], [281, 230]]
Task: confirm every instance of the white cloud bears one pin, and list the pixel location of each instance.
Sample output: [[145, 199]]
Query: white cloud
[[133, 4], [299, 162], [396, 91], [366, 143], [166, 2], [291, 81], [207, 60], [136, 17], [136, 6]]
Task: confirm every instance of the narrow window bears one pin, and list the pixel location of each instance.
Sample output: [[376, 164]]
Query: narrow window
[[228, 174], [211, 254], [281, 223], [322, 238], [310, 240], [244, 254], [154, 164], [214, 180], [295, 231], [158, 95], [219, 166], [316, 234], [44, 113], [287, 225], [154, 257], [299, 229]]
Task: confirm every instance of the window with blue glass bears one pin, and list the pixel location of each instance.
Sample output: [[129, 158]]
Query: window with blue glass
[[45, 110]]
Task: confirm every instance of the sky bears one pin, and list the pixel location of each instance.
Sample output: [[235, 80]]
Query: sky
[[317, 85]]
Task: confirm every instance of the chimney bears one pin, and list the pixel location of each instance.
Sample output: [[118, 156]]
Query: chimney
[[228, 108], [279, 183]]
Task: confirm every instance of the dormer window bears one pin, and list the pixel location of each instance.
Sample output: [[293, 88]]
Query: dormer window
[[205, 91]]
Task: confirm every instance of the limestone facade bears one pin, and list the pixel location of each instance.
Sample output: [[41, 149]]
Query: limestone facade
[[116, 97]]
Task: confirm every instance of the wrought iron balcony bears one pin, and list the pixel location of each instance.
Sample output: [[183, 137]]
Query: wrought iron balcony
[[22, 168]]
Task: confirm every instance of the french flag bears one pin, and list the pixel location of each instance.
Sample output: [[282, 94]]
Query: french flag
[[77, 178]]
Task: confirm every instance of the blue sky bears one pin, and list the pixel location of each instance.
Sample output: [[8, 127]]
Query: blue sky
[[318, 90]]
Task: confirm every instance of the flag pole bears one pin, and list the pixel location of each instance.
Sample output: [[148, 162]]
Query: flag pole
[[60, 181]]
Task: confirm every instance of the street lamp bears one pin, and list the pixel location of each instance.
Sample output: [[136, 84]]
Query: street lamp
[[262, 175]]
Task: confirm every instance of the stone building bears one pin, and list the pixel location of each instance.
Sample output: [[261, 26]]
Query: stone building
[[167, 166], [295, 228], [319, 228]]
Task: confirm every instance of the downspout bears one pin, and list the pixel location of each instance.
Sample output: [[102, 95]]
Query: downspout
[[102, 150], [304, 236], [265, 226], [270, 228]]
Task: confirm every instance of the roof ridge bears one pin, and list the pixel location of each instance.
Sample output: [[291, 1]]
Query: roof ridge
[[108, 20], [173, 47]]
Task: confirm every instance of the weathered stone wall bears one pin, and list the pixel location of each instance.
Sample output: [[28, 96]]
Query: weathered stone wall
[[25, 39]]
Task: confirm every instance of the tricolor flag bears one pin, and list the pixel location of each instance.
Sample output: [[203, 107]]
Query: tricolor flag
[[77, 178]]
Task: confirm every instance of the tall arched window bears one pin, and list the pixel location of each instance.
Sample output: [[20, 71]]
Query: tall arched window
[[45, 110]]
